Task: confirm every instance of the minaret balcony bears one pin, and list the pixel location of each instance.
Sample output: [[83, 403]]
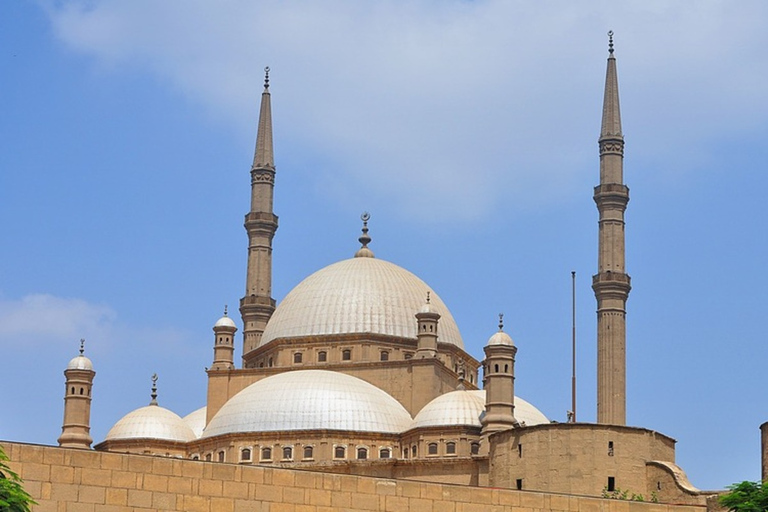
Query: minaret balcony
[[612, 195]]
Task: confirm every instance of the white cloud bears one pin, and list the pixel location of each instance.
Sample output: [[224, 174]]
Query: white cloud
[[41, 319], [449, 109]]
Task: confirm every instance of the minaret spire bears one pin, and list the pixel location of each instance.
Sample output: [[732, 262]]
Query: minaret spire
[[611, 284], [257, 306]]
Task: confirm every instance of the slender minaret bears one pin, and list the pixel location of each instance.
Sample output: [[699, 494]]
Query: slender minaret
[[611, 283], [224, 343], [76, 430], [427, 320], [499, 382], [260, 223]]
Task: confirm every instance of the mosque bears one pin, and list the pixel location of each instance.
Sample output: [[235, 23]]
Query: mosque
[[361, 370]]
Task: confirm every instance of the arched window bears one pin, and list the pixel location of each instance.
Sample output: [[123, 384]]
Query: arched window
[[506, 368], [81, 391], [408, 355], [432, 449], [346, 354], [385, 453], [195, 457], [245, 454], [221, 456], [474, 448], [308, 452], [208, 457], [405, 453], [270, 362], [322, 356], [414, 451], [384, 355], [496, 368], [340, 452], [297, 357], [266, 453], [450, 448], [362, 453], [288, 453]]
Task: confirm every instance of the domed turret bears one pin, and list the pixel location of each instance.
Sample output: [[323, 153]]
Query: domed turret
[[499, 382], [224, 343], [76, 429]]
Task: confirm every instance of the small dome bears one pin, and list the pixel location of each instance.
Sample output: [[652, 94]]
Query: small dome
[[464, 408], [151, 422], [310, 400], [501, 338], [358, 295], [224, 321], [80, 363], [196, 421]]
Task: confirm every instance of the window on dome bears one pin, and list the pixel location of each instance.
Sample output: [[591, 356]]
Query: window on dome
[[340, 452], [288, 453], [384, 355], [432, 449], [362, 453], [322, 356], [221, 456], [385, 453], [474, 448], [245, 454], [346, 355], [308, 452], [195, 457], [450, 448], [266, 453], [297, 357]]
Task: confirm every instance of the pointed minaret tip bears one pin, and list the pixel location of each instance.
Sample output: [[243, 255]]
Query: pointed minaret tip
[[264, 157], [611, 125]]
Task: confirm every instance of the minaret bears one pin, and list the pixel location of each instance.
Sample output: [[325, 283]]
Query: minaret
[[427, 320], [76, 430], [499, 382], [224, 343], [611, 283], [260, 223]]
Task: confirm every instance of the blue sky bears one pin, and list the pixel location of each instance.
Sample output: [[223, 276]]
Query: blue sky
[[467, 129]]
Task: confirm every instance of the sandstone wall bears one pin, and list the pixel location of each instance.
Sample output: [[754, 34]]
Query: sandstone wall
[[71, 480]]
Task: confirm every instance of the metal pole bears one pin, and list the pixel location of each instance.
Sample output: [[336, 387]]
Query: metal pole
[[573, 345]]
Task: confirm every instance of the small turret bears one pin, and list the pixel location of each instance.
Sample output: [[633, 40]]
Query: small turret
[[499, 382], [427, 320], [224, 343], [76, 429]]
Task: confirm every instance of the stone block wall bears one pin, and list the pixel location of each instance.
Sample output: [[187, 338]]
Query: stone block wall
[[72, 480]]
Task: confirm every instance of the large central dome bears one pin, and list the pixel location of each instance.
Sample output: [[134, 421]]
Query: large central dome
[[358, 295]]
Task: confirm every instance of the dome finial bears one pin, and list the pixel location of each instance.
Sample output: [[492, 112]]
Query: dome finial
[[225, 310], [427, 297], [154, 390], [365, 239], [610, 42], [501, 322], [82, 345], [266, 78]]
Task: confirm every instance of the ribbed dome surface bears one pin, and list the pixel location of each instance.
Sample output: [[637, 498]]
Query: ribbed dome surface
[[151, 422], [80, 363], [196, 420], [465, 407], [310, 400], [358, 295]]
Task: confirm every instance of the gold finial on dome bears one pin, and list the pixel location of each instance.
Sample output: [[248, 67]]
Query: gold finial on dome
[[154, 390], [365, 239], [82, 346], [501, 322], [225, 310]]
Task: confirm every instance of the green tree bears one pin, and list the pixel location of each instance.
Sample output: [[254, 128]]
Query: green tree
[[746, 497], [13, 497]]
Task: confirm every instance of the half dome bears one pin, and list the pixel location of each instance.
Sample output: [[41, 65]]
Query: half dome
[[358, 295], [464, 408], [310, 400], [151, 422]]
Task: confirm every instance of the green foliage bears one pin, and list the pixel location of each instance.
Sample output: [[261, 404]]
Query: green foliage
[[746, 497], [625, 494], [13, 497]]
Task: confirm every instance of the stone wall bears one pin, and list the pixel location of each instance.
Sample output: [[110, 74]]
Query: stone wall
[[71, 480]]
